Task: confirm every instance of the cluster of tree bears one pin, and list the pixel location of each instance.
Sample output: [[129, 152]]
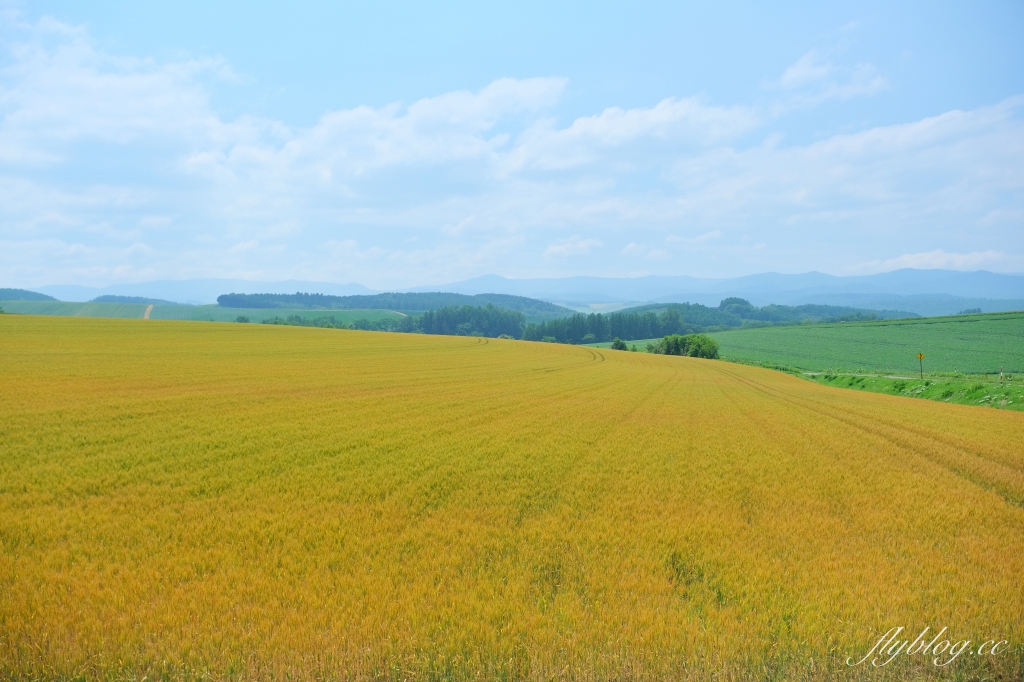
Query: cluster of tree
[[970, 311], [488, 320], [598, 328], [131, 299], [736, 312], [406, 324], [663, 319], [681, 328], [692, 345], [467, 320], [530, 307], [23, 295]]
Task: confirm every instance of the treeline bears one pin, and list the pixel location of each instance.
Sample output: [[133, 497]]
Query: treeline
[[530, 307], [736, 312], [488, 320], [330, 322], [470, 320], [684, 325], [643, 322], [597, 328]]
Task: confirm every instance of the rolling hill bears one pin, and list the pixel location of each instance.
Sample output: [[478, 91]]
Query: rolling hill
[[23, 295], [195, 313], [413, 302]]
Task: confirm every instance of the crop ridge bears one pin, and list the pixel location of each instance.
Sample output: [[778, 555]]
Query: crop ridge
[[994, 454], [994, 476]]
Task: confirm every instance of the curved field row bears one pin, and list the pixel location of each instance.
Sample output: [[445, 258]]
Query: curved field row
[[249, 501]]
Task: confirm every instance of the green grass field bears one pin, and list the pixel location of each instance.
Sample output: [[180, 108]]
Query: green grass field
[[641, 344], [970, 344], [62, 309], [199, 313], [217, 314], [984, 390]]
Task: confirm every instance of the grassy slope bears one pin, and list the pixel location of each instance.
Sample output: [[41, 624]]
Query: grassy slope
[[252, 500], [964, 390], [218, 314], [640, 344], [972, 344], [203, 313], [119, 310]]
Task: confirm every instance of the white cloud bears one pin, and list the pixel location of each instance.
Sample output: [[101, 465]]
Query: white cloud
[[348, 250], [809, 68], [53, 95], [671, 122], [465, 183], [242, 247], [940, 259], [699, 239], [812, 79], [573, 246], [956, 164], [641, 250]]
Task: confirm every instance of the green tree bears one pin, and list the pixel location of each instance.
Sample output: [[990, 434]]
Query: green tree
[[701, 346], [693, 345], [618, 344]]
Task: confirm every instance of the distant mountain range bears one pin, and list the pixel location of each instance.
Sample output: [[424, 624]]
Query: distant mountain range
[[926, 292], [978, 284], [136, 300], [199, 291], [407, 301]]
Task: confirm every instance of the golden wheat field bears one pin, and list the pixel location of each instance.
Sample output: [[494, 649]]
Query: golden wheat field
[[197, 500]]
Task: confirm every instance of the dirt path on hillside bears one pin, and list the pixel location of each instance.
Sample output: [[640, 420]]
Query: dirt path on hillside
[[145, 315]]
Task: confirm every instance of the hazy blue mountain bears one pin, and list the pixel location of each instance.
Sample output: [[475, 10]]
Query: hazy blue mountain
[[201, 291], [575, 289], [922, 304], [22, 295], [978, 284], [926, 292], [139, 300]]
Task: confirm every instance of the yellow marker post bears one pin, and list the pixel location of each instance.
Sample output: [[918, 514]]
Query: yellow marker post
[[920, 359]]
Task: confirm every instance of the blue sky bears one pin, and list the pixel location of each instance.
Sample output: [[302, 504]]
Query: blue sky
[[403, 144]]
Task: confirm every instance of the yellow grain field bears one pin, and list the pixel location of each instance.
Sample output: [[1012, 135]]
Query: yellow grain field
[[196, 500]]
